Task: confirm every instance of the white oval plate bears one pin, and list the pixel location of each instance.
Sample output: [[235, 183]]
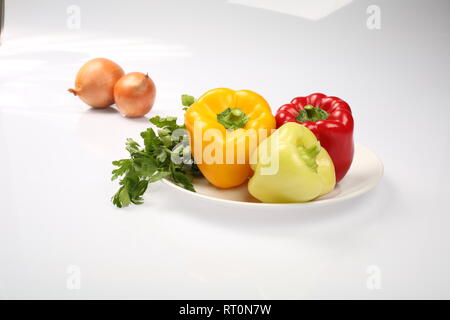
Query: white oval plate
[[364, 174]]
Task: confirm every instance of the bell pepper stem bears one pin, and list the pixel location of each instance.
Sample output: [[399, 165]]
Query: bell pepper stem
[[311, 113], [309, 155], [233, 118], [236, 112]]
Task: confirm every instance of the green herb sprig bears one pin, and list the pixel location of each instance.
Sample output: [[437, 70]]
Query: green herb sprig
[[154, 160]]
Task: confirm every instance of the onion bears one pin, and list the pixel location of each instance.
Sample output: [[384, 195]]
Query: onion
[[134, 94], [95, 82]]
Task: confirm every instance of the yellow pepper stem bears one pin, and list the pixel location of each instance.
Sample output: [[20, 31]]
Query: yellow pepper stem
[[232, 118]]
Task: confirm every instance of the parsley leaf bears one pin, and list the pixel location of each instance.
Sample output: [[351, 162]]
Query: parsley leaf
[[167, 122], [152, 162], [187, 101]]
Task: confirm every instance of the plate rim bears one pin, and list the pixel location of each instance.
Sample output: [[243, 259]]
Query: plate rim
[[296, 204]]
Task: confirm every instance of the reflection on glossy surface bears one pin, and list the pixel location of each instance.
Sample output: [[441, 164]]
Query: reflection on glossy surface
[[94, 45], [311, 10]]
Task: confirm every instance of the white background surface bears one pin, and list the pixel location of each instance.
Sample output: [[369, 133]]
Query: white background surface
[[55, 153]]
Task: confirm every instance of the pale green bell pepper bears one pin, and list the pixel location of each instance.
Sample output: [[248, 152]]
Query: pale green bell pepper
[[291, 166]]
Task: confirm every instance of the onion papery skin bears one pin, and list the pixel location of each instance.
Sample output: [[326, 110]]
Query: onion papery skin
[[134, 94], [94, 83]]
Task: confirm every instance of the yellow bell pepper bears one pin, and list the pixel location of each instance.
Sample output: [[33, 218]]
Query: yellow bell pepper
[[225, 126]]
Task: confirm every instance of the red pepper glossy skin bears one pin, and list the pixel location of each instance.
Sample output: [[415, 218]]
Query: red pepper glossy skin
[[335, 133]]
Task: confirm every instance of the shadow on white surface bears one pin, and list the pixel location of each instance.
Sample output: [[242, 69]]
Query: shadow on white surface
[[278, 222], [104, 131]]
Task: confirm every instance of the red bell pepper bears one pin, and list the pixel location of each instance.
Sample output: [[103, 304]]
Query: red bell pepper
[[330, 119]]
